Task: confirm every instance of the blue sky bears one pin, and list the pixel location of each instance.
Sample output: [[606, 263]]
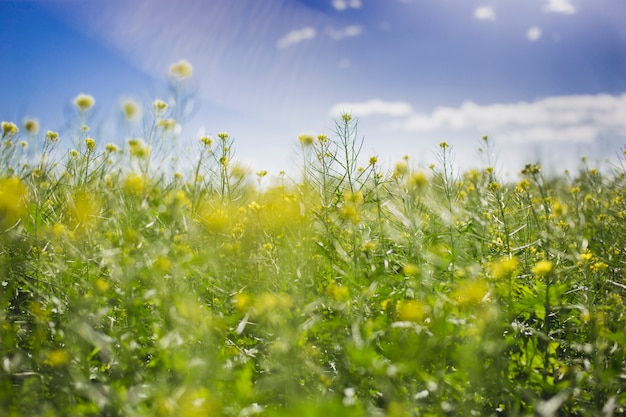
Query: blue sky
[[545, 79]]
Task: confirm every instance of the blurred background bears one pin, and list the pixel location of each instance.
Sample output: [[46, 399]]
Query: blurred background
[[544, 79]]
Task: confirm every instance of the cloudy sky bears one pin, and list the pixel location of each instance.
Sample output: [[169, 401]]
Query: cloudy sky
[[545, 79]]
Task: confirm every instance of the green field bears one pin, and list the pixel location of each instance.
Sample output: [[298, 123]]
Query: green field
[[344, 289]]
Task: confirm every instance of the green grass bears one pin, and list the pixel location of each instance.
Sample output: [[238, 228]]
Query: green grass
[[127, 290]]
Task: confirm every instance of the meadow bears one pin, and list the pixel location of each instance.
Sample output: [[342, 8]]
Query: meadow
[[345, 289]]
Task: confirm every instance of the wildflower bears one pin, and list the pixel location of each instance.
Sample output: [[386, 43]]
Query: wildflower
[[368, 246], [494, 186], [52, 136], [598, 266], [305, 140], [411, 270], [241, 301], [111, 148], [322, 138], [485, 138], [134, 184], [349, 212], [84, 102], [411, 310], [31, 126], [181, 70], [13, 200], [338, 292], [73, 153], [444, 145], [373, 160], [84, 210], [57, 357], [346, 117], [207, 141], [224, 161], [532, 169], [471, 292], [138, 148], [353, 198], [167, 124], [162, 263], [417, 180], [131, 109], [503, 268], [91, 144], [400, 170], [261, 174], [101, 285], [9, 129], [542, 268], [159, 107]]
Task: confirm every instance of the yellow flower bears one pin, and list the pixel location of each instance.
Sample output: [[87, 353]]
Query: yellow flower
[[159, 107], [400, 170], [134, 184], [84, 210], [411, 310], [131, 109], [411, 270], [181, 70], [542, 268], [207, 141], [31, 126], [223, 135], [102, 285], [471, 292], [586, 255], [9, 129], [417, 180], [52, 136], [346, 117], [494, 186], [305, 140], [167, 124], [57, 357], [368, 246], [338, 292], [111, 148], [13, 200], [91, 144], [84, 102], [162, 263], [444, 145], [138, 148], [504, 267]]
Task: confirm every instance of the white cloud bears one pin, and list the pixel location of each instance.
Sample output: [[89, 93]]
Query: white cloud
[[559, 6], [349, 31], [485, 13], [533, 33], [373, 107], [296, 36], [342, 5], [579, 118]]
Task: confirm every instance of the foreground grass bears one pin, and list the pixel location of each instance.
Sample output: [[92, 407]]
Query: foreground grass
[[351, 291]]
